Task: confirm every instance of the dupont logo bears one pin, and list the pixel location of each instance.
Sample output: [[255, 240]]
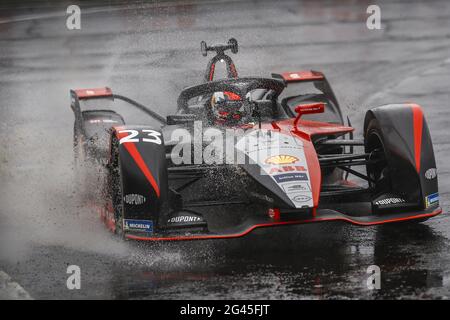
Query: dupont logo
[[184, 219], [390, 201], [134, 199]]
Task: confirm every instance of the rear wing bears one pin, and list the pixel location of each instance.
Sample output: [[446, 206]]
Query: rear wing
[[319, 81], [300, 76], [105, 93], [84, 94]]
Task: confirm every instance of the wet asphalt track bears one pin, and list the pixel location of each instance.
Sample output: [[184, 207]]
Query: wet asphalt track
[[150, 53]]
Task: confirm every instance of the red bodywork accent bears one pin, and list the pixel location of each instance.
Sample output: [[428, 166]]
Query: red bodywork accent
[[309, 128], [134, 153], [302, 76], [315, 174], [232, 96], [233, 70], [282, 223], [310, 108], [211, 72], [93, 93], [418, 126], [274, 213], [107, 216]]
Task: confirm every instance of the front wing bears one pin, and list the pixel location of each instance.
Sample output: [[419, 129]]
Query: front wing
[[254, 222]]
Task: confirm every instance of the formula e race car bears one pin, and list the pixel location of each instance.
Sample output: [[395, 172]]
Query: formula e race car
[[248, 152]]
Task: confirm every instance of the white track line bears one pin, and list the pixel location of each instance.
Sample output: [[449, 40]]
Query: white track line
[[10, 290]]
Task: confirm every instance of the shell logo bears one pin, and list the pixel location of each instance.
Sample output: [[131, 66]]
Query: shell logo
[[281, 159]]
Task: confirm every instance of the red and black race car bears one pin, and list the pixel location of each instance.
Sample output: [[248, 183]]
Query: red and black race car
[[247, 152]]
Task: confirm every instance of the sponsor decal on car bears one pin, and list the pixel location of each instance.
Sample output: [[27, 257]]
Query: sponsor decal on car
[[287, 177], [134, 199], [432, 199], [138, 225], [281, 159], [296, 187], [389, 201], [301, 198], [284, 169], [431, 173], [184, 219]]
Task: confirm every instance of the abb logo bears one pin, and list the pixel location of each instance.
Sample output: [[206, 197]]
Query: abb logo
[[287, 169]]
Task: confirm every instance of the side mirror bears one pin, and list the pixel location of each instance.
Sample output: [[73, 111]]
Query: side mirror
[[309, 108], [180, 118]]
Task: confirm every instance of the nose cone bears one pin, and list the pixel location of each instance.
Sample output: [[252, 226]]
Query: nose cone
[[285, 164]]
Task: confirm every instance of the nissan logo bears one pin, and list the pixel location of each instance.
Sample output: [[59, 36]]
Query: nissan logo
[[301, 198], [431, 173]]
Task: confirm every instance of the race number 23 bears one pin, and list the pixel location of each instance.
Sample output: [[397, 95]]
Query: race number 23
[[145, 135]]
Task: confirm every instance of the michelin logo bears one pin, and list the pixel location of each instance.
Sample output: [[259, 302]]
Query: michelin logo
[[432, 199], [134, 199], [138, 225]]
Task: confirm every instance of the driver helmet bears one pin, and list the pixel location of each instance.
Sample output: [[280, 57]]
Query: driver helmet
[[225, 108]]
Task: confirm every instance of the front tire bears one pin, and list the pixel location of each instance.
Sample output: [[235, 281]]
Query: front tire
[[79, 165], [379, 171], [115, 187]]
